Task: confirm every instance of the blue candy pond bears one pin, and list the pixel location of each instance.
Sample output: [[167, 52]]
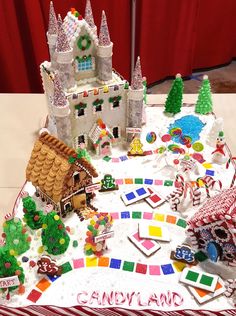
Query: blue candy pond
[[191, 126]]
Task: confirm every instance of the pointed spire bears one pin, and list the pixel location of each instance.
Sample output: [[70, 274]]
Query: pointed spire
[[89, 14], [52, 25], [59, 97], [62, 44], [137, 79], [59, 21], [104, 36]]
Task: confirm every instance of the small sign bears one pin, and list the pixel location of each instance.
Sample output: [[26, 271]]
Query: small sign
[[93, 187], [103, 236], [133, 130], [9, 282]]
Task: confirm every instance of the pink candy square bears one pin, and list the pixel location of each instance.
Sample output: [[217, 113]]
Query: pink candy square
[[115, 215], [78, 263], [148, 244], [119, 181], [115, 159], [136, 236], [154, 270], [158, 182], [147, 215]]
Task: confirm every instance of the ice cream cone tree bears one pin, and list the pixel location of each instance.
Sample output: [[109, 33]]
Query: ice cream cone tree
[[174, 99], [32, 217], [54, 235], [17, 239], [204, 101]]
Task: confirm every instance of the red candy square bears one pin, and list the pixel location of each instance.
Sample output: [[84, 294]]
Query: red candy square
[[34, 296], [141, 268]]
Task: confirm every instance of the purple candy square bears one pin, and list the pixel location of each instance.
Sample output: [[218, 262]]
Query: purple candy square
[[123, 158], [78, 263], [154, 270]]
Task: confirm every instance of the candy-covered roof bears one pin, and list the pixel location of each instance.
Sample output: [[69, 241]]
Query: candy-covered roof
[[220, 207]]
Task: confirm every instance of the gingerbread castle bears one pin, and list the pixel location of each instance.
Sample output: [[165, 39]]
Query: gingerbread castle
[[80, 84]]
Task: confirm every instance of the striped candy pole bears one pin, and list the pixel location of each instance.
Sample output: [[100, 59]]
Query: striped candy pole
[[205, 184], [227, 166]]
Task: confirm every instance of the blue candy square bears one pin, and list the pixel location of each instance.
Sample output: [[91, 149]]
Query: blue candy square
[[167, 269], [210, 172], [148, 181], [130, 196], [52, 279], [123, 158], [125, 214], [115, 263], [141, 191]]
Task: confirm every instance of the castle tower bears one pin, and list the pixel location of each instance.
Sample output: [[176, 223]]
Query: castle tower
[[135, 99], [88, 16], [64, 58], [52, 35], [104, 52], [61, 112]]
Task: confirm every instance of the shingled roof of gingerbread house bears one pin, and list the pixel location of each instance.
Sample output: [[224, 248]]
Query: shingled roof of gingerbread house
[[50, 162], [220, 207]]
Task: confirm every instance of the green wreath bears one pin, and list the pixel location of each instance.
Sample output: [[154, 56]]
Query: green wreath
[[87, 44]]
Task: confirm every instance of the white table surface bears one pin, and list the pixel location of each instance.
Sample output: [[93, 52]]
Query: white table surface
[[22, 115]]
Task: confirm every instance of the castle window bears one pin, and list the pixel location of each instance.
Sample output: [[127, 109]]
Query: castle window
[[115, 101], [81, 139], [97, 105], [85, 63], [80, 112], [80, 109], [116, 104], [115, 132], [98, 108]]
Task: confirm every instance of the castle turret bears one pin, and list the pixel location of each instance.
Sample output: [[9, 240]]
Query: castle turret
[[61, 112], [52, 35], [64, 54], [104, 52], [88, 16], [135, 99]]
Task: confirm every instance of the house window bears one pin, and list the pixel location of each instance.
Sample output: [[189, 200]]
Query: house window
[[80, 112], [81, 139], [98, 108], [67, 207], [76, 177], [85, 63], [115, 132]]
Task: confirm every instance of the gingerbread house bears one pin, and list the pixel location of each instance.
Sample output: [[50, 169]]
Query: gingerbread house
[[213, 228], [58, 175]]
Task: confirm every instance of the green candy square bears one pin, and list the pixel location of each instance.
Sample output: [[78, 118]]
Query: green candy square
[[192, 276], [106, 158], [182, 223], [136, 215], [206, 280], [200, 256], [168, 183], [138, 181], [66, 267], [128, 266]]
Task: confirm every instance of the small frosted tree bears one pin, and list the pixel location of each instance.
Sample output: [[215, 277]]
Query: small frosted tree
[[175, 96], [32, 216], [204, 101]]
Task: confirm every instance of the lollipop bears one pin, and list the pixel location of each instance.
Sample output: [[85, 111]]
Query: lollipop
[[175, 131], [151, 137], [166, 138], [198, 146], [184, 140]]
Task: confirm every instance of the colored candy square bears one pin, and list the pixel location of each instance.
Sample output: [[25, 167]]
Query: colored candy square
[[66, 267], [103, 262], [179, 266], [167, 269], [154, 270], [138, 181], [106, 158], [115, 159], [53, 278], [148, 181], [210, 172], [182, 223], [147, 215], [192, 276], [148, 152], [115, 263], [115, 215], [43, 284], [136, 236], [123, 158], [177, 184], [168, 183], [141, 191], [158, 182], [130, 196], [200, 256], [78, 263], [206, 280], [129, 181], [91, 262], [119, 181], [141, 268], [128, 266], [155, 231], [136, 215], [148, 244], [34, 296], [171, 219], [125, 214], [207, 165], [159, 217]]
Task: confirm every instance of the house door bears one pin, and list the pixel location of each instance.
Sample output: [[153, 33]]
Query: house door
[[79, 201], [214, 251], [105, 148]]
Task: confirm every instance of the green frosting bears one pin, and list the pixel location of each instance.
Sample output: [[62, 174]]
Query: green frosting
[[175, 97], [204, 101], [32, 217]]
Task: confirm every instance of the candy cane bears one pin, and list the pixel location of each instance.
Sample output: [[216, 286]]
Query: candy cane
[[205, 184], [196, 196], [227, 166]]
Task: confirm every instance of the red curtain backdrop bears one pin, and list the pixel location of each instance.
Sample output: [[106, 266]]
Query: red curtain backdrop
[[23, 42], [182, 35], [171, 36]]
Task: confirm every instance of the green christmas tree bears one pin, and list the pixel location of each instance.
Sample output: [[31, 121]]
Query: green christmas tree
[[9, 267], [32, 217], [54, 236], [204, 101], [17, 240], [175, 96]]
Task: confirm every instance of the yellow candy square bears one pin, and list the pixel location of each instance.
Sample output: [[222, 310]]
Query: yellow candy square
[[207, 165], [179, 266], [155, 231], [91, 262], [159, 217]]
